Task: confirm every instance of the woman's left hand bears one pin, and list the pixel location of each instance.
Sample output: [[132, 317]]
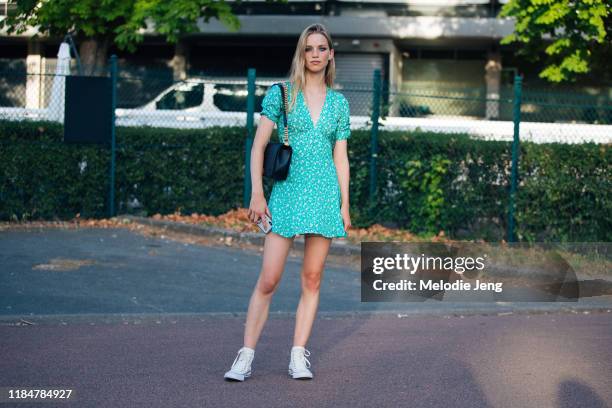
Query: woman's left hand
[[346, 217]]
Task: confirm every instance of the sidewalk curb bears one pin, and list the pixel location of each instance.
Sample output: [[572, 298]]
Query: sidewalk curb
[[138, 318], [254, 238]]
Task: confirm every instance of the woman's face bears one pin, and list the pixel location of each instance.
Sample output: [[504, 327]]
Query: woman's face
[[317, 52]]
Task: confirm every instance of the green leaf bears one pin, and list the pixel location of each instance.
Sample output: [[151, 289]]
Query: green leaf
[[575, 26]]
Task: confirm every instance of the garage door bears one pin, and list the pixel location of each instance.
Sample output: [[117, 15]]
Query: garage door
[[354, 76]]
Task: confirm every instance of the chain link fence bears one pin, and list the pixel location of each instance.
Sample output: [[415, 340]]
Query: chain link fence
[[154, 98], [545, 117]]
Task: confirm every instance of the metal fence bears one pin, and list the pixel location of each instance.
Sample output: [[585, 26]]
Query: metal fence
[[148, 99], [154, 98]]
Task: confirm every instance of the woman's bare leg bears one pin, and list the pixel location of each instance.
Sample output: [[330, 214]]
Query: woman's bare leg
[[315, 253], [276, 249]]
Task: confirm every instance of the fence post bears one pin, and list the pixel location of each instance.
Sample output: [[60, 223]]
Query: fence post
[[516, 117], [113, 75], [249, 139], [374, 133]]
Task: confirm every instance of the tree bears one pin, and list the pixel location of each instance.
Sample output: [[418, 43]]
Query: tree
[[99, 23], [572, 34]]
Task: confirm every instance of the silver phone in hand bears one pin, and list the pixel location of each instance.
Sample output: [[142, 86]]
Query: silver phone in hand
[[267, 226]]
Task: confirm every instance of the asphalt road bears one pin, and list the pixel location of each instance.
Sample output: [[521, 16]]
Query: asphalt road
[[102, 271], [127, 321], [554, 360]]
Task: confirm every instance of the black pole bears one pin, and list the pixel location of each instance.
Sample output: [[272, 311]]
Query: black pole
[[113, 74]]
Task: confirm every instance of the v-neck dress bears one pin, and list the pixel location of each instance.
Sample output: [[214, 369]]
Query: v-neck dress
[[309, 199]]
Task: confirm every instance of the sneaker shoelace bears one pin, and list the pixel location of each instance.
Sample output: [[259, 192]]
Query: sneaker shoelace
[[300, 358], [241, 361]]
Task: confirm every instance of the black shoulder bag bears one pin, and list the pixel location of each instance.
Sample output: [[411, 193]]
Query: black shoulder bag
[[277, 156]]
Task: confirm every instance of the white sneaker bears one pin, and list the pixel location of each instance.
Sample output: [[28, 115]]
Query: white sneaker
[[299, 364], [241, 367]]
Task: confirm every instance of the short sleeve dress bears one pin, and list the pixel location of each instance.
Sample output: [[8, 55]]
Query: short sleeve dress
[[309, 199]]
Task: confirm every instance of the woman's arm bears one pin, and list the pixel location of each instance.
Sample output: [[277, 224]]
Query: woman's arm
[[262, 137], [270, 112], [342, 168], [258, 205]]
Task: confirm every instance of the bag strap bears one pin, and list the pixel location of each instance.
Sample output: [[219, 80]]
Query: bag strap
[[284, 94]]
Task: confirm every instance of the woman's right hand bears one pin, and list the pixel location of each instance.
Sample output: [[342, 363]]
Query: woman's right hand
[[258, 207]]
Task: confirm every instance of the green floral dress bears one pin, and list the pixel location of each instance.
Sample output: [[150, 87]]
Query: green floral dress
[[309, 200]]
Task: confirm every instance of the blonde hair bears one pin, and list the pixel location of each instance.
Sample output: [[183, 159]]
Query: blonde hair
[[297, 76]]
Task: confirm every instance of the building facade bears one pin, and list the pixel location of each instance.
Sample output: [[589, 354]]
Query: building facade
[[432, 45]]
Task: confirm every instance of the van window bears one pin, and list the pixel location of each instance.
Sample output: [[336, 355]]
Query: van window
[[233, 97], [182, 97]]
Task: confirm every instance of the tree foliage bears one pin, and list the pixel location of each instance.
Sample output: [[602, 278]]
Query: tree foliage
[[570, 33], [122, 20]]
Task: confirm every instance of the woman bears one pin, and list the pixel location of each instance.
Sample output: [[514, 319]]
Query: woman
[[313, 200]]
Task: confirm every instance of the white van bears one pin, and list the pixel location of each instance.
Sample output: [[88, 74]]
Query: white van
[[197, 103]]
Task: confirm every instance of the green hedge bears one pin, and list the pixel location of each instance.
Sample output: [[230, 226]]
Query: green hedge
[[426, 182], [461, 186], [166, 170], [430, 182]]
